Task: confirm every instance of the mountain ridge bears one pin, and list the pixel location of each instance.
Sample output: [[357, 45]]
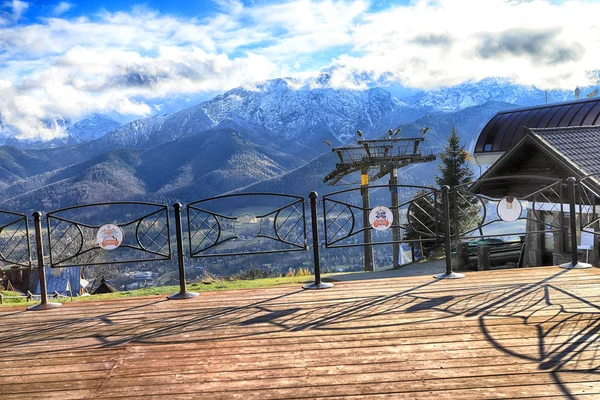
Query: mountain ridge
[[251, 137]]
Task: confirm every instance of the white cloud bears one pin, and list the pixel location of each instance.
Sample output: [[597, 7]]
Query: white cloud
[[87, 80], [447, 42], [61, 8], [18, 8], [125, 61], [11, 11]]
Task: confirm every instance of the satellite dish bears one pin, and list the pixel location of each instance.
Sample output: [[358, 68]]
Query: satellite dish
[[592, 93], [509, 209], [577, 93]]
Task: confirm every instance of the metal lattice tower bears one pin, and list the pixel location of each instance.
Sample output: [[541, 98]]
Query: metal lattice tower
[[374, 159]]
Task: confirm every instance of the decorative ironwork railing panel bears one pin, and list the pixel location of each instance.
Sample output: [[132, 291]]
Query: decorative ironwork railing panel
[[587, 194], [108, 233], [417, 217], [246, 223], [15, 247], [476, 216]]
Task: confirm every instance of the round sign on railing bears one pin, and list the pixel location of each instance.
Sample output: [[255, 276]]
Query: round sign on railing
[[109, 236], [381, 218], [509, 209]]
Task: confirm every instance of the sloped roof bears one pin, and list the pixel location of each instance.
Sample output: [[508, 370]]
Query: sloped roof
[[508, 127], [579, 145], [57, 278], [104, 288], [545, 153]]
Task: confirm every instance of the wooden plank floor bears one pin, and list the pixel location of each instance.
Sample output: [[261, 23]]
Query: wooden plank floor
[[528, 333]]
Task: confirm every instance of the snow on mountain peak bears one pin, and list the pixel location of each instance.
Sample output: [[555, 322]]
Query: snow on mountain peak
[[297, 111]]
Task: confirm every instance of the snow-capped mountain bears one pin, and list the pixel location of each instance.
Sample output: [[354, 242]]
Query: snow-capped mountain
[[309, 115], [450, 99], [276, 126], [307, 112], [92, 127], [281, 107]]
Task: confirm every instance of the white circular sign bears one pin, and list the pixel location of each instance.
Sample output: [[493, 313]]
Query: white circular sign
[[509, 209], [109, 236], [381, 218]]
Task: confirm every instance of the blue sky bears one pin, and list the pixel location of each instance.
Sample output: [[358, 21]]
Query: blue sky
[[66, 59]]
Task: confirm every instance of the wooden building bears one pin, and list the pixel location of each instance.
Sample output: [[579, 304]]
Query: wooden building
[[553, 141]]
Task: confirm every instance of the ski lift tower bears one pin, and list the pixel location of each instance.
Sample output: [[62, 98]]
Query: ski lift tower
[[375, 159]]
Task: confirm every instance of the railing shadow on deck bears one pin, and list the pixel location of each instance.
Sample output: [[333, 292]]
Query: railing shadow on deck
[[566, 337], [67, 327]]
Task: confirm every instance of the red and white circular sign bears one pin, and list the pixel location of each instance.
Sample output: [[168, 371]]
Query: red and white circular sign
[[109, 236], [381, 218]]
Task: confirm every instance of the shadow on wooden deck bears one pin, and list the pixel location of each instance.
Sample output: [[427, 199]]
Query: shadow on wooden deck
[[512, 334]]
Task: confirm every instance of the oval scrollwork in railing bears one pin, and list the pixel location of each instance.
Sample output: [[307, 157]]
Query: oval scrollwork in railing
[[108, 233], [15, 248], [339, 221], [246, 223], [587, 195], [424, 214]]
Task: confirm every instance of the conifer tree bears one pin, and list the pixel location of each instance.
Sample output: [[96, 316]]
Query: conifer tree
[[425, 216], [454, 168], [455, 171]]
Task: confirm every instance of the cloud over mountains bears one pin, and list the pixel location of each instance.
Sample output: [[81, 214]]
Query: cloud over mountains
[[59, 64]]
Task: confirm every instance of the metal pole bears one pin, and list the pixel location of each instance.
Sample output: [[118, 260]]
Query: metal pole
[[447, 238], [44, 305], [367, 235], [573, 219], [395, 213], [315, 243], [183, 293]]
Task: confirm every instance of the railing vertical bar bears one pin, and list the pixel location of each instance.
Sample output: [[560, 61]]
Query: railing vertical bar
[[44, 305], [183, 293], [573, 220], [447, 238], [315, 243]]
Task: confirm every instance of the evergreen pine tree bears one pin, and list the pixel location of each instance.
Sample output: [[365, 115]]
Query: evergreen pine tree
[[455, 171], [426, 215], [454, 168]]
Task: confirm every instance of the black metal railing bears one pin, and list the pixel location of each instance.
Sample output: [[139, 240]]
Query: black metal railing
[[216, 231], [15, 248], [418, 212], [216, 228], [73, 234], [475, 212]]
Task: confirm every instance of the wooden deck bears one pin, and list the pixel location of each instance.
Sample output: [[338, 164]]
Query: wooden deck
[[529, 333]]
